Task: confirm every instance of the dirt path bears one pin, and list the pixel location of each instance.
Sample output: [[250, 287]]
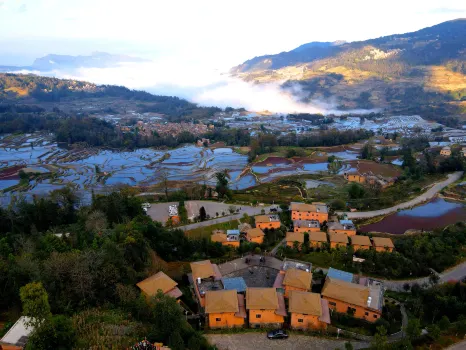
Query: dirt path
[[429, 194]]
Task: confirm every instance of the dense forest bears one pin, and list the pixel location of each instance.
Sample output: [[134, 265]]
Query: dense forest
[[87, 261]]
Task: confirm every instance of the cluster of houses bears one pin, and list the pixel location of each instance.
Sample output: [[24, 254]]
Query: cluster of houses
[[446, 151], [307, 219], [229, 302], [369, 178]]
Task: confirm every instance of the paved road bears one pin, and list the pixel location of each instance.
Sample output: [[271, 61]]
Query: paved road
[[458, 346], [455, 273], [429, 194], [251, 211], [259, 341]]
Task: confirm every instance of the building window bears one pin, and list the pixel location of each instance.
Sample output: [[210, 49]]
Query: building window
[[331, 303], [258, 316], [300, 320], [375, 316], [367, 314], [218, 319]]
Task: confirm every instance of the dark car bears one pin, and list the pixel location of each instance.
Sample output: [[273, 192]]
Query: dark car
[[277, 334]]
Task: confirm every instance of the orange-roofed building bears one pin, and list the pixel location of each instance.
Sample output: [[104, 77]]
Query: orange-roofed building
[[267, 221], [224, 239], [314, 211], [225, 309], [296, 279], [255, 235], [355, 177], [308, 311], [292, 237], [160, 281], [316, 239], [360, 243], [338, 240], [306, 225], [266, 307], [361, 301], [347, 227], [205, 277], [382, 244]]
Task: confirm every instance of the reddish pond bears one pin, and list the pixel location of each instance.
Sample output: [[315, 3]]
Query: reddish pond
[[436, 213]]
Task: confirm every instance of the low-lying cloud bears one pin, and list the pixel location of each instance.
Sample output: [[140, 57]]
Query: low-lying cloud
[[205, 86]]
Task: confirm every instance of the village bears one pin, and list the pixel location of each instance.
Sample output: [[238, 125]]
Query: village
[[262, 291]]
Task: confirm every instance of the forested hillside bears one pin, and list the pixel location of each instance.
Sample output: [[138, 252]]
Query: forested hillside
[[402, 72], [16, 88]]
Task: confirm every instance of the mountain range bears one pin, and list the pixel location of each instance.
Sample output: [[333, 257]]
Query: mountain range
[[422, 71], [95, 60]]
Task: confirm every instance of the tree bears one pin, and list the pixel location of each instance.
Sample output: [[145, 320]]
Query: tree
[[367, 151], [413, 329], [167, 317], [58, 334], [202, 214], [356, 191], [348, 346], [163, 179], [222, 183], [434, 331], [231, 209], [444, 323], [434, 278], [380, 340], [175, 341], [96, 221], [35, 301]]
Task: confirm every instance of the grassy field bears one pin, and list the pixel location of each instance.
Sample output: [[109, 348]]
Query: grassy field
[[205, 232]]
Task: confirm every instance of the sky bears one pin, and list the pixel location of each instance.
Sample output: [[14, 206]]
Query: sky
[[192, 42]]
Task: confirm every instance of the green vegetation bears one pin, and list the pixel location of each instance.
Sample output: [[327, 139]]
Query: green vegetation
[[414, 256], [46, 89], [206, 231]]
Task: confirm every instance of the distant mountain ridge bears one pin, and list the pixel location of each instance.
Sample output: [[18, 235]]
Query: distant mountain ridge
[[396, 72], [95, 60]]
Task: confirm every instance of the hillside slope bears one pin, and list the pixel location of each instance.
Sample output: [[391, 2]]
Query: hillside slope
[[83, 96], [408, 72]]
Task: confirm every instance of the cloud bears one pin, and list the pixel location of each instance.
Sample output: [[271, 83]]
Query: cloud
[[23, 8], [207, 87]]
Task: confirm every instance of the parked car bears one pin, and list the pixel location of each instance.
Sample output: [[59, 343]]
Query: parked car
[[277, 334], [145, 205]]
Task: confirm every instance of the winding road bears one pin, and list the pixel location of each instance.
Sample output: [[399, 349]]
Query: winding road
[[429, 194]]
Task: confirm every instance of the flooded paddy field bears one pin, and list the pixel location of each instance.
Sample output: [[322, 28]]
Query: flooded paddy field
[[434, 214], [96, 169]]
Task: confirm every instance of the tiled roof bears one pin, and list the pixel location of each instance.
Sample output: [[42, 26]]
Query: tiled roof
[[305, 303], [298, 278], [338, 237], [152, 284], [261, 298], [255, 232], [360, 240], [295, 236], [219, 301], [318, 236], [382, 242], [340, 275], [202, 269], [350, 293], [218, 237], [234, 283], [266, 218]]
